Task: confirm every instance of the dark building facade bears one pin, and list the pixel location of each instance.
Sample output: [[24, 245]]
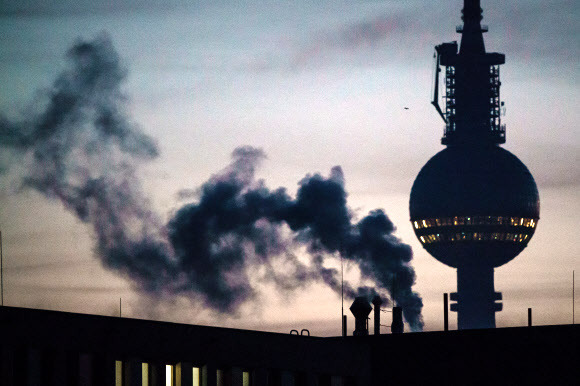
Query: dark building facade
[[57, 348]]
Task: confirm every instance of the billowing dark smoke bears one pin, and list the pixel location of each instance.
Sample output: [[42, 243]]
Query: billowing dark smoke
[[82, 149], [238, 224]]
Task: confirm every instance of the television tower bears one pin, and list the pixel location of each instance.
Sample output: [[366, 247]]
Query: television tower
[[474, 205]]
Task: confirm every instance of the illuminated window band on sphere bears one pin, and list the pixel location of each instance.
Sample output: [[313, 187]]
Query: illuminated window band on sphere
[[475, 220], [475, 236]]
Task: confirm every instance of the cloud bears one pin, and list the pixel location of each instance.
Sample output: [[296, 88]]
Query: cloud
[[84, 7], [369, 36], [530, 30]]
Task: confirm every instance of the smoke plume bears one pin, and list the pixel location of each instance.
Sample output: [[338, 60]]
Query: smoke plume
[[82, 149]]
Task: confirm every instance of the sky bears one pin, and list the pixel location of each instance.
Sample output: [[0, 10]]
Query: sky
[[313, 84]]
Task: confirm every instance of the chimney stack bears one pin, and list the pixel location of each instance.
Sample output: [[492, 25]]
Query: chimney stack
[[397, 327], [377, 301], [445, 312], [361, 309]]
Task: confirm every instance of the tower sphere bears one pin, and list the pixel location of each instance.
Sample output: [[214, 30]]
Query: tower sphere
[[474, 205]]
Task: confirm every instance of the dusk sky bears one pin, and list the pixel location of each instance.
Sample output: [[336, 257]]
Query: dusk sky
[[314, 84]]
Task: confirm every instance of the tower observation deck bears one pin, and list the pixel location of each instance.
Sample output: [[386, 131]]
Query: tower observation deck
[[474, 206]]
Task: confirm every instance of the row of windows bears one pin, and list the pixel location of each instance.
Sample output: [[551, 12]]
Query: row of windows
[[476, 236], [475, 220], [170, 376], [223, 377]]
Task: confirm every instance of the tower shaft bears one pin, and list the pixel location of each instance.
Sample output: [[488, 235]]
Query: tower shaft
[[475, 297]]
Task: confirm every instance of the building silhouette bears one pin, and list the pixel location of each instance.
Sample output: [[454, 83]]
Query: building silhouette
[[53, 348], [474, 206]]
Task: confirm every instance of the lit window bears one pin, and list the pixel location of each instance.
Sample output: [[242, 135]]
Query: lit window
[[438, 222], [118, 373], [416, 224], [424, 224], [455, 222], [168, 375], [522, 221], [422, 239], [145, 374], [245, 378], [195, 376]]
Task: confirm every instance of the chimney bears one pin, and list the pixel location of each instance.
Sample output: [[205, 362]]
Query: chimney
[[397, 327], [377, 301], [361, 309], [445, 312], [343, 325]]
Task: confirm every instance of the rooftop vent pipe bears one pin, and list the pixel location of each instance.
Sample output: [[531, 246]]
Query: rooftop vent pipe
[[377, 301], [397, 327], [361, 309]]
